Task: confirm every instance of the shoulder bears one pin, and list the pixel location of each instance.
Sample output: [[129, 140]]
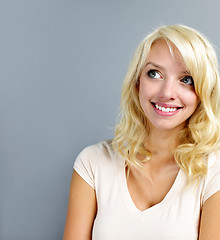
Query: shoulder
[[212, 178], [95, 159], [96, 151], [213, 165]]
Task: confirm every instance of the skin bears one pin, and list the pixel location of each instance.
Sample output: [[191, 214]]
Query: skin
[[210, 219], [170, 85], [81, 210]]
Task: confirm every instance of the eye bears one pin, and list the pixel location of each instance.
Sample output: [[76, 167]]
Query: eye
[[188, 80], [153, 74]]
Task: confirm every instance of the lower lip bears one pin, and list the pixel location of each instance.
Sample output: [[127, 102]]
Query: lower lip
[[166, 114]]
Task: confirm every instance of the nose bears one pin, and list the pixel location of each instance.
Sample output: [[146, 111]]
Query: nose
[[168, 90]]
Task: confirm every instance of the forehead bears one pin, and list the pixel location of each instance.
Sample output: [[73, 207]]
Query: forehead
[[166, 54]]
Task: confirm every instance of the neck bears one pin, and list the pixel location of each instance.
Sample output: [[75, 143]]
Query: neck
[[162, 142]]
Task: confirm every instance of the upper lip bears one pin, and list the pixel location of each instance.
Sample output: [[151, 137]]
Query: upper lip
[[166, 105]]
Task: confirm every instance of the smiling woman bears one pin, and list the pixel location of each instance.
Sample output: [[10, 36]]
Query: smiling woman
[[160, 176], [172, 98]]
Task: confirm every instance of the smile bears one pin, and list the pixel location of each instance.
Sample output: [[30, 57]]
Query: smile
[[164, 109]]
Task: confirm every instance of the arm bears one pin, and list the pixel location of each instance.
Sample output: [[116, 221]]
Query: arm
[[81, 210], [210, 219]]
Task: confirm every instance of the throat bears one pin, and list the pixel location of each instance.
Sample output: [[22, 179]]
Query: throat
[[148, 188], [162, 143]]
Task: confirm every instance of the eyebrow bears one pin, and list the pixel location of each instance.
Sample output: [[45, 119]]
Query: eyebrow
[[163, 68], [155, 65]]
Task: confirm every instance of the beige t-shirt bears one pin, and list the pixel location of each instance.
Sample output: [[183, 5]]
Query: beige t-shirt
[[176, 217]]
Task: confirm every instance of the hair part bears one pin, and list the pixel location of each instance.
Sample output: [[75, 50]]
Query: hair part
[[201, 135]]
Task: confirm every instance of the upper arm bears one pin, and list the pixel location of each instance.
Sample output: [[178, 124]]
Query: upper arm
[[210, 218], [81, 210]]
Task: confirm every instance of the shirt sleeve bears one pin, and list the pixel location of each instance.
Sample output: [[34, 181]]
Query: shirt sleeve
[[212, 182], [85, 165]]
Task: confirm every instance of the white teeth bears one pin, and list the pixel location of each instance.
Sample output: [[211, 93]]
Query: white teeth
[[163, 109]]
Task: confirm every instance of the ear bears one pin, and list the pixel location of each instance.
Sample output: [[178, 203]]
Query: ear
[[137, 84]]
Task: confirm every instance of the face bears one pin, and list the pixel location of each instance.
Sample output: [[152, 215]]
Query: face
[[166, 89]]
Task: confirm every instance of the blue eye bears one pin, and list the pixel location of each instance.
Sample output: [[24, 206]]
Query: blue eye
[[188, 80], [153, 74]]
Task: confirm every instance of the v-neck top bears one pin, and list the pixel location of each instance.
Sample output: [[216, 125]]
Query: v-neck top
[[176, 217]]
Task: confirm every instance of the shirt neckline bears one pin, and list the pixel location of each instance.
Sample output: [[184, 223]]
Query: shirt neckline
[[128, 203]]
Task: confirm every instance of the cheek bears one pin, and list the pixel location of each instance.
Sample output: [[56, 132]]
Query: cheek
[[190, 99], [144, 92], [144, 96]]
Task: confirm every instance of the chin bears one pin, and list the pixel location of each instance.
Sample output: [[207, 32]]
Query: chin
[[169, 127]]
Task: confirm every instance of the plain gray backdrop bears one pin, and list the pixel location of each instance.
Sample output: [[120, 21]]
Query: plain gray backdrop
[[62, 63]]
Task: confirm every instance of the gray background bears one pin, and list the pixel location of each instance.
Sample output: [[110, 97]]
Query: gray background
[[62, 64]]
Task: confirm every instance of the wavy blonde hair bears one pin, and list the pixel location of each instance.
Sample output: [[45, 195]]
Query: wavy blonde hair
[[201, 135]]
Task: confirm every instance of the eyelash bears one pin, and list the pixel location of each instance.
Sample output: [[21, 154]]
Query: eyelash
[[182, 80], [153, 71], [188, 77]]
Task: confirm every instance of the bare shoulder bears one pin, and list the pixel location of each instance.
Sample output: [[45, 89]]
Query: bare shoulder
[[210, 218], [81, 211]]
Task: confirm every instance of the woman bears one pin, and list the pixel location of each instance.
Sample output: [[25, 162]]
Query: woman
[[160, 176]]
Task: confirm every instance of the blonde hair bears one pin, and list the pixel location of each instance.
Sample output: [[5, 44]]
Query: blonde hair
[[201, 135]]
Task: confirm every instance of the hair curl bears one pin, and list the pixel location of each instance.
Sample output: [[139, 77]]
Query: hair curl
[[201, 135]]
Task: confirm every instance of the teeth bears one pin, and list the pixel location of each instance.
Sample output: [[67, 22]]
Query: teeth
[[163, 109]]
